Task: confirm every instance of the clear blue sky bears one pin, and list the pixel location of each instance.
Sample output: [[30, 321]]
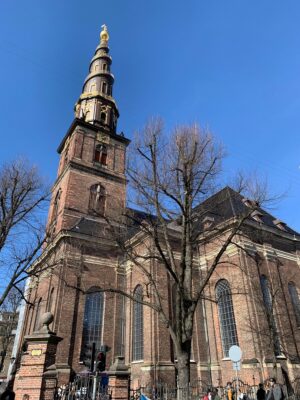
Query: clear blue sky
[[233, 66]]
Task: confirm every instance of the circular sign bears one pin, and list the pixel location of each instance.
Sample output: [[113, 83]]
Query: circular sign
[[235, 353]]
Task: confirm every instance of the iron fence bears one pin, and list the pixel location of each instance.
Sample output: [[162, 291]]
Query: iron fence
[[95, 387], [85, 387]]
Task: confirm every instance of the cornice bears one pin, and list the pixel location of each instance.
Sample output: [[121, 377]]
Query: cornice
[[269, 253], [79, 122], [98, 172], [98, 95]]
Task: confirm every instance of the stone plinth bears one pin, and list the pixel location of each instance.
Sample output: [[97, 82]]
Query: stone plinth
[[119, 379], [37, 376]]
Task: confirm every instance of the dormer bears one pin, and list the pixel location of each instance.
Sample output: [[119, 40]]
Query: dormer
[[208, 221], [279, 224], [250, 203], [257, 216]]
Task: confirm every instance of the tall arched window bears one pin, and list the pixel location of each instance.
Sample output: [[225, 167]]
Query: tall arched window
[[50, 300], [173, 302], [103, 117], [267, 298], [93, 319], [226, 316], [269, 308], [56, 205], [97, 199], [138, 326], [295, 301], [100, 155], [38, 314], [104, 87]]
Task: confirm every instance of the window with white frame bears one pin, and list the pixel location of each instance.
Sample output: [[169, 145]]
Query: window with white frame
[[226, 316], [295, 301], [138, 326], [93, 319], [269, 304]]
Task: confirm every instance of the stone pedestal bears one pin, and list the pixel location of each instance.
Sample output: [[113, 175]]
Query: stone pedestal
[[37, 376], [119, 379]]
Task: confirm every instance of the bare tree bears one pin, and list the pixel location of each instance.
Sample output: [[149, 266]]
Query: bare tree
[[169, 176], [23, 197]]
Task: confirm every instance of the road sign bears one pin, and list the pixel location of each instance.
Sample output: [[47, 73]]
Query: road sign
[[235, 353], [236, 366]]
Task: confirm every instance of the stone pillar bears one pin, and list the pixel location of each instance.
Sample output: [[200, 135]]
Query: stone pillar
[[37, 376], [119, 379]]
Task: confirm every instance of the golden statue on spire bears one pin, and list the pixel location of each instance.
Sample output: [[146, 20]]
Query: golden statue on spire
[[104, 36]]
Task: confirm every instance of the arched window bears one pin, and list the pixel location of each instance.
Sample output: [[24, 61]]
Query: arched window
[[97, 199], [100, 155], [103, 117], [104, 67], [226, 316], [50, 300], [66, 156], [267, 298], [138, 326], [173, 302], [87, 115], [38, 314], [269, 308], [56, 205], [104, 87], [295, 301], [93, 319]]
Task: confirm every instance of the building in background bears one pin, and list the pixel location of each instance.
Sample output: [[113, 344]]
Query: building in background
[[8, 325], [252, 297]]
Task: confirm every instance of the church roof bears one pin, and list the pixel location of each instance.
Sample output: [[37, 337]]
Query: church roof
[[220, 207], [227, 204], [87, 226]]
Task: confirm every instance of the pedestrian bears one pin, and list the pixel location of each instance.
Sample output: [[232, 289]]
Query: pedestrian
[[261, 393], [230, 393], [205, 397], [275, 392], [216, 394]]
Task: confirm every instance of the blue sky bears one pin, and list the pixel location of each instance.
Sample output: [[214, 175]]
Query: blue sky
[[233, 66]]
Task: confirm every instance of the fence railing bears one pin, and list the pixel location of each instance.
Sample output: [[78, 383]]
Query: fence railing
[[197, 391], [85, 387], [95, 387]]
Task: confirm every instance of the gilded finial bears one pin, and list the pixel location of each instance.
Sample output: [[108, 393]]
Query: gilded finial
[[104, 36]]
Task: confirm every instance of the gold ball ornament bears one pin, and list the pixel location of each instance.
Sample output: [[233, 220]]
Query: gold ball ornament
[[104, 36]]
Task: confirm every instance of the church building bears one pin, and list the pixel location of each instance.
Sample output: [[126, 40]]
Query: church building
[[262, 273]]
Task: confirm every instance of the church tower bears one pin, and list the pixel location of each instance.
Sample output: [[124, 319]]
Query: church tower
[[90, 187], [91, 175]]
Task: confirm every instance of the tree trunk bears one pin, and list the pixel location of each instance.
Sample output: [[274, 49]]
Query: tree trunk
[[183, 378]]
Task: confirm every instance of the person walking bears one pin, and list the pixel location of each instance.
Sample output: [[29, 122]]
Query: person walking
[[275, 392], [216, 394], [230, 392], [261, 393]]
